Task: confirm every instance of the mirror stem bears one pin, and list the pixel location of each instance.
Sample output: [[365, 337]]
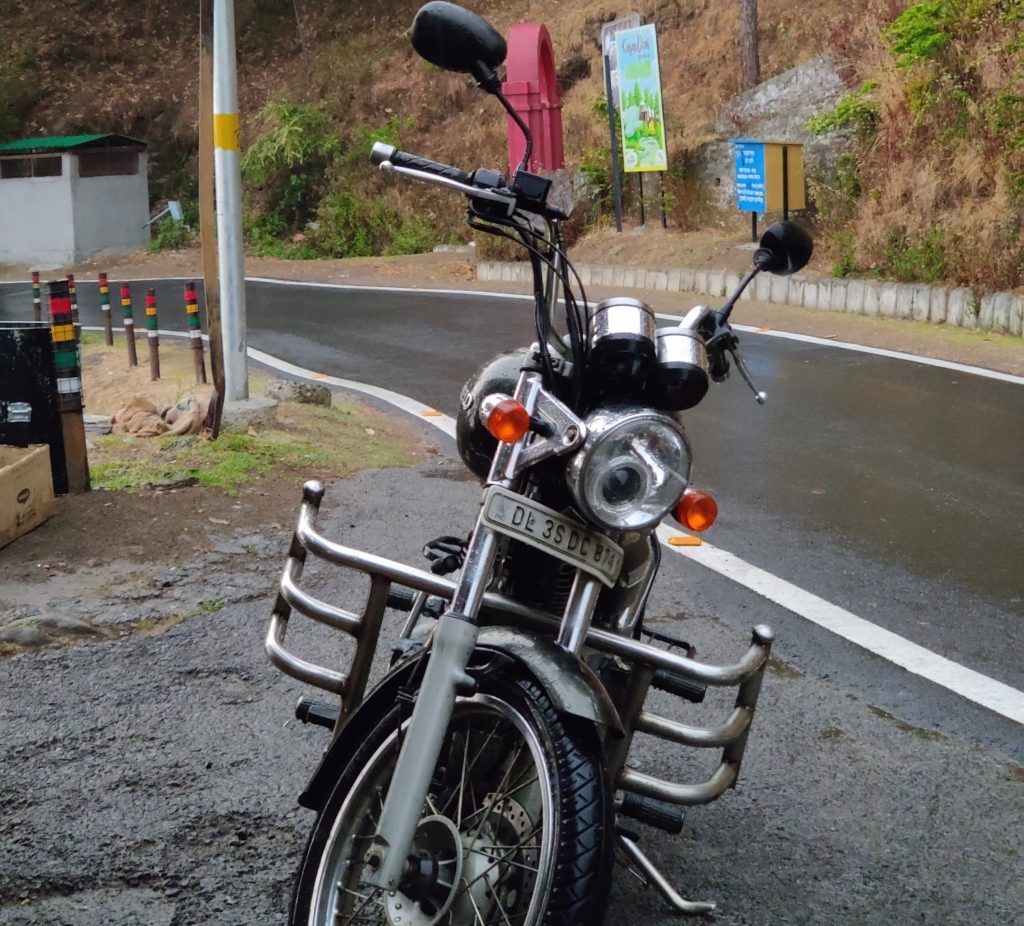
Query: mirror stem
[[488, 80], [723, 312]]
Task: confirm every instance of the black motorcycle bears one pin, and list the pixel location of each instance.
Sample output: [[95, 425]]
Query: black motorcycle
[[486, 778]]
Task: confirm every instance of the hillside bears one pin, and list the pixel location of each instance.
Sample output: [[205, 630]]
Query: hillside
[[340, 75]]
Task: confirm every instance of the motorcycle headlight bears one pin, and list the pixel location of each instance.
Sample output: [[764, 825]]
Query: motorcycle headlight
[[632, 469]]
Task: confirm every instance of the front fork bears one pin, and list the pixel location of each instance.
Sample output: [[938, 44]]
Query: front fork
[[453, 642]]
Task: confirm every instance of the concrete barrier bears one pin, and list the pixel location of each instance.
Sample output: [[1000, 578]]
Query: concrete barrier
[[957, 307]]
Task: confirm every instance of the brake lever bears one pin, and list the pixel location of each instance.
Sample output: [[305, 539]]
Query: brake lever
[[745, 373]]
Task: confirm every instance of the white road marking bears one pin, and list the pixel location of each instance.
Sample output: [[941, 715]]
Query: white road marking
[[989, 693]]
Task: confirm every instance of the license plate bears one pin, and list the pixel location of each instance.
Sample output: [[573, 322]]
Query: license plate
[[552, 532]]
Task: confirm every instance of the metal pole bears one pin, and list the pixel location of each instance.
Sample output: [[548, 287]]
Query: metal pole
[[129, 324], [640, 194], [108, 326], [231, 262], [614, 136], [152, 335], [785, 182], [753, 226]]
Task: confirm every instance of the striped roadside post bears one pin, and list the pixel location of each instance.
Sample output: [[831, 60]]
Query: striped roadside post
[[194, 334], [37, 301], [108, 329], [152, 335], [68, 363], [73, 294], [129, 323]]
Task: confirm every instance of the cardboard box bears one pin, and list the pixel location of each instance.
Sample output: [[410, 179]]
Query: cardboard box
[[26, 490]]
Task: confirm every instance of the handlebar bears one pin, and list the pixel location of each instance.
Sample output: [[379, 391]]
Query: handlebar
[[382, 152]]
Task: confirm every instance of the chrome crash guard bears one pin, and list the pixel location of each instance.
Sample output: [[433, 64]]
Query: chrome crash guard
[[644, 661]]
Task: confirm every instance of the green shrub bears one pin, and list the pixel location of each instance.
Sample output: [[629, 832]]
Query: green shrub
[[920, 32], [855, 110]]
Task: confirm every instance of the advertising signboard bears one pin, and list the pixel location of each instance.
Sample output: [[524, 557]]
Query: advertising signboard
[[608, 32], [640, 107]]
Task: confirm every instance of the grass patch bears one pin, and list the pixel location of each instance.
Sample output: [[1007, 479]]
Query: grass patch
[[307, 440]]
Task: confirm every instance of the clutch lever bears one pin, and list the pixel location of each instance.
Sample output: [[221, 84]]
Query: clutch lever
[[720, 339]]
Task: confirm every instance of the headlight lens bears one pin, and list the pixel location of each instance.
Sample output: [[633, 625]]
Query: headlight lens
[[632, 469]]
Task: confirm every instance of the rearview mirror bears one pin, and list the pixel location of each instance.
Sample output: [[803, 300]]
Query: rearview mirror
[[784, 248], [455, 39]]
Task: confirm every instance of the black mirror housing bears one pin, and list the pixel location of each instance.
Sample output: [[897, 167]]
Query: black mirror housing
[[784, 248], [456, 39]]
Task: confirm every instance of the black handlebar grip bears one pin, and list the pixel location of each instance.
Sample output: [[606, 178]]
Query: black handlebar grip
[[681, 687], [382, 152]]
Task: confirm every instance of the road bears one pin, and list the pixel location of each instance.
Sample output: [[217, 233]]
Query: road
[[884, 487]]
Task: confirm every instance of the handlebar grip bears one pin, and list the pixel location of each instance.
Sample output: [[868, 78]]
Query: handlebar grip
[[382, 152]]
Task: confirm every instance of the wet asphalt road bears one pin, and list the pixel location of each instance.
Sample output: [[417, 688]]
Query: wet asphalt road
[[889, 488], [868, 796]]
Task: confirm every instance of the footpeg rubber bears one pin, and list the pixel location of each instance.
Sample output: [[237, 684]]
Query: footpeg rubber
[[681, 687], [401, 599], [662, 816], [319, 713]]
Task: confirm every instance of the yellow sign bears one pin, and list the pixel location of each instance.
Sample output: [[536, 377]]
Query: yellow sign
[[773, 159]]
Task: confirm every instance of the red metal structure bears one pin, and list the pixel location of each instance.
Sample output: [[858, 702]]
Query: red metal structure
[[532, 88]]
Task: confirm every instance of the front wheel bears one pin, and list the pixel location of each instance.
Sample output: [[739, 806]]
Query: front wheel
[[516, 828]]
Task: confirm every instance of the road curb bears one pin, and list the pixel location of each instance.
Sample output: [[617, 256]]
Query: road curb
[[957, 307]]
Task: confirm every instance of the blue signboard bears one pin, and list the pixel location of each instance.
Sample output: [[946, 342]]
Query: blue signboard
[[750, 176]]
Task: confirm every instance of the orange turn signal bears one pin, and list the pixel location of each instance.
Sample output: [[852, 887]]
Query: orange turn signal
[[696, 510], [508, 421]]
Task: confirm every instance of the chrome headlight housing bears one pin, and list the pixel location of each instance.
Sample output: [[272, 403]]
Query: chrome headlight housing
[[632, 469]]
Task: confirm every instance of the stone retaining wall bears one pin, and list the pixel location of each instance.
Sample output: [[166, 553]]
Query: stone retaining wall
[[960, 307]]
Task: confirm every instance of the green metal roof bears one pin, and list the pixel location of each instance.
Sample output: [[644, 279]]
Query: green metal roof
[[64, 143]]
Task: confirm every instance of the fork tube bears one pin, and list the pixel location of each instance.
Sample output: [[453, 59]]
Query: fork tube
[[578, 612], [451, 648]]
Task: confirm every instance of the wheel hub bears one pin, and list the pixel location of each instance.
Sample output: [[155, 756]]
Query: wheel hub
[[429, 887]]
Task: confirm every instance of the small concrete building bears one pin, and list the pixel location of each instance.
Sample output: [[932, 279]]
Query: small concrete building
[[65, 199]]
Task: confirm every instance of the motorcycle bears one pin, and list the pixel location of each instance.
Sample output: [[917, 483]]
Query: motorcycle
[[486, 778]]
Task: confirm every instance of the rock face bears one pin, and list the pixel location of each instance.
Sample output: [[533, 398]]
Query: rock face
[[291, 391], [776, 110]]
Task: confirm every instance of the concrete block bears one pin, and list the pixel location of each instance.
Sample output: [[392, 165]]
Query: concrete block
[[872, 299], [1001, 312], [824, 295], [628, 277], [716, 283], [700, 281], [607, 276], [855, 291], [618, 276], [971, 308], [986, 312], [779, 290], [956, 304], [584, 272], [904, 300], [686, 281], [1017, 316], [763, 287], [488, 270], [887, 301], [837, 301], [920, 300], [674, 281], [810, 294], [248, 413], [505, 273], [287, 390], [661, 280], [731, 281], [796, 290], [937, 306]]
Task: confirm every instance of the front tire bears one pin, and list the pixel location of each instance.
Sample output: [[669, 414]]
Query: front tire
[[516, 827]]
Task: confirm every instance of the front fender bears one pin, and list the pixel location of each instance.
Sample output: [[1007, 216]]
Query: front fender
[[568, 681]]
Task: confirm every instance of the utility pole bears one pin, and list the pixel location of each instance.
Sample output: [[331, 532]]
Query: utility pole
[[208, 213], [231, 261]]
